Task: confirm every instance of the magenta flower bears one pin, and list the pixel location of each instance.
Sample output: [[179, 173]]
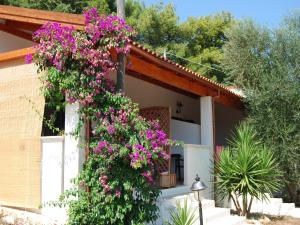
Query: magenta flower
[[149, 134], [118, 193], [161, 135], [100, 147], [136, 156], [111, 129], [148, 176], [28, 58]]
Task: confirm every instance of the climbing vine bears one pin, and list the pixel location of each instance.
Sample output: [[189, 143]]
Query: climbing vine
[[117, 182]]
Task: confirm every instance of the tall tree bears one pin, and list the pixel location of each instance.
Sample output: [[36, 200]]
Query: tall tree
[[157, 25], [196, 43], [266, 64], [203, 39], [121, 56]]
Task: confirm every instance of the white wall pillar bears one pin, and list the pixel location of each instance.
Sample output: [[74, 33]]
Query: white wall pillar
[[74, 151], [52, 175], [207, 121], [207, 133]]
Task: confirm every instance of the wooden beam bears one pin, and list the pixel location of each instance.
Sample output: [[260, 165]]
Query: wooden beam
[[35, 16], [154, 72], [158, 83], [16, 54], [22, 25], [148, 56], [230, 101], [16, 32]]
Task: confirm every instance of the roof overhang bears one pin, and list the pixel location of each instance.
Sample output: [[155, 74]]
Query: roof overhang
[[144, 63], [33, 18]]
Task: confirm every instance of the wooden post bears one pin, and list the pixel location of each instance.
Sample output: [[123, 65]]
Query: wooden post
[[121, 56], [87, 138]]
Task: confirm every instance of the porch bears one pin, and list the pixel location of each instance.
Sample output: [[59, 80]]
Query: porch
[[197, 121]]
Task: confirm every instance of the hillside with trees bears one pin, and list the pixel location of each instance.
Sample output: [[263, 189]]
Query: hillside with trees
[[195, 43]]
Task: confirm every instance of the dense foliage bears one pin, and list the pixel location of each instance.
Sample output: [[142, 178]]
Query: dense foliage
[[246, 169], [266, 64], [196, 43], [117, 182]]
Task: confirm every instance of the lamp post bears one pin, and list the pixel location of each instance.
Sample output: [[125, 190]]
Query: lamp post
[[197, 187]]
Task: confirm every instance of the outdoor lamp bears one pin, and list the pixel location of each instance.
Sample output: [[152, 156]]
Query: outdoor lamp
[[198, 186]]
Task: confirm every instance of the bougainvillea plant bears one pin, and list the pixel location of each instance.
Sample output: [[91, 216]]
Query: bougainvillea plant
[[116, 184]]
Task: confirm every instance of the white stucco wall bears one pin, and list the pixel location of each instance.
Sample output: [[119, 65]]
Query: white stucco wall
[[185, 131], [63, 158], [74, 154], [147, 95], [189, 133], [197, 160], [9, 42], [52, 174]]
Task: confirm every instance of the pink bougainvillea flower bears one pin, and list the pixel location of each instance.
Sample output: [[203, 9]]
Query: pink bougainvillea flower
[[118, 193], [148, 176], [111, 129], [28, 58], [101, 145]]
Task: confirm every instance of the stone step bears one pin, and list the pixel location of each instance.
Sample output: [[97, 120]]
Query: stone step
[[275, 209], [191, 201], [212, 214], [295, 213], [177, 191], [276, 200], [271, 201], [274, 206], [286, 208], [217, 216], [229, 220]]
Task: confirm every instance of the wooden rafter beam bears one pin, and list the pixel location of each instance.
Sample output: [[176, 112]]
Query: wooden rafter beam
[[162, 75], [182, 71], [16, 54], [39, 17], [22, 25], [15, 32], [158, 83]]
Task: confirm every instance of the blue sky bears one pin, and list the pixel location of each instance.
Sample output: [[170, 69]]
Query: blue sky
[[266, 12]]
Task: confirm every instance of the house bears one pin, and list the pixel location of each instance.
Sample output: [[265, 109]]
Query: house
[[36, 168]]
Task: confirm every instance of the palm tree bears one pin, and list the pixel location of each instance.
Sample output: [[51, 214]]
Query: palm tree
[[246, 169]]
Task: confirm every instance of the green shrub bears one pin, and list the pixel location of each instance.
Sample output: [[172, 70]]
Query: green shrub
[[182, 215], [246, 169]]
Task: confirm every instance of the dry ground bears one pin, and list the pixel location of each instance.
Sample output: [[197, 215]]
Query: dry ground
[[271, 220], [285, 221]]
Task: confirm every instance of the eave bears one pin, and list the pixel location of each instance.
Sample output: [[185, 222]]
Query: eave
[[144, 63]]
